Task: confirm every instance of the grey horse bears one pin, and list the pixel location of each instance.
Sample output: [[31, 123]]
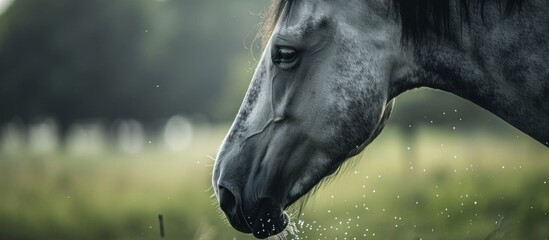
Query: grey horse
[[330, 69]]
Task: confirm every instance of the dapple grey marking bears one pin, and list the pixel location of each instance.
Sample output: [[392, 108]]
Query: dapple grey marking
[[300, 121]]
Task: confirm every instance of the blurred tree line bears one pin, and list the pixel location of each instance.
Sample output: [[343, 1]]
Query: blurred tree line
[[79, 60], [102, 60]]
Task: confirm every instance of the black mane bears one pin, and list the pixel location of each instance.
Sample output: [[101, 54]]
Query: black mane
[[418, 17]]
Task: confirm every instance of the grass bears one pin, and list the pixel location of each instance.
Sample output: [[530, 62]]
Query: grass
[[446, 186]]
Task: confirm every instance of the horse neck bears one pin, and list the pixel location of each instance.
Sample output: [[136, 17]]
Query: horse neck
[[499, 63]]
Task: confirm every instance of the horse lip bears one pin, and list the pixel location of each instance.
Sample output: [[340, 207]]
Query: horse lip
[[264, 228], [270, 220], [267, 219], [240, 224]]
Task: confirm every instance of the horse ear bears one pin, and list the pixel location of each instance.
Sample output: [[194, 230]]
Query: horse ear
[[379, 127]]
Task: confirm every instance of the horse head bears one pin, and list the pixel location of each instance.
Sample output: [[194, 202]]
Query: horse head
[[319, 95]]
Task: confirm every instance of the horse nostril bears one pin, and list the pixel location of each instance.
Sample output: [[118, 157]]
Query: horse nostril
[[227, 200]]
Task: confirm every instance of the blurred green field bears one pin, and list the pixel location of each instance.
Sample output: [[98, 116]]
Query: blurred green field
[[442, 185]]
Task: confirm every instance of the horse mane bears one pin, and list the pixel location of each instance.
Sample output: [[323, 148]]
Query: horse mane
[[417, 17]]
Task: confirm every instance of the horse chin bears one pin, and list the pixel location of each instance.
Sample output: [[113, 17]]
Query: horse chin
[[269, 222], [268, 219], [272, 219]]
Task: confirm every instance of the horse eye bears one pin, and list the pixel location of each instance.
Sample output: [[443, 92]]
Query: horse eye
[[284, 55]]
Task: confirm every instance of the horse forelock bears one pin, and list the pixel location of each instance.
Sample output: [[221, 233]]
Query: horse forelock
[[417, 17], [271, 18]]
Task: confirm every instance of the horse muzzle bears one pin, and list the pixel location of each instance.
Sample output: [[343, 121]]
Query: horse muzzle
[[263, 217], [257, 178]]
